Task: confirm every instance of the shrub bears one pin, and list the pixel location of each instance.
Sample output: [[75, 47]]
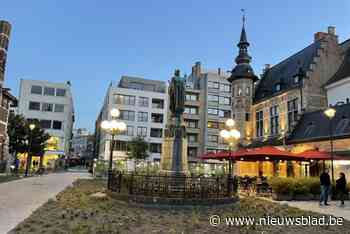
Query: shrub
[[282, 185], [301, 186]]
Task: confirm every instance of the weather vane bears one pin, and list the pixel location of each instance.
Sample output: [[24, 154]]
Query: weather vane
[[243, 18]]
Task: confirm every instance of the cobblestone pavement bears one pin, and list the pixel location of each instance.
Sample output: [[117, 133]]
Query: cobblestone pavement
[[18, 199], [333, 209]]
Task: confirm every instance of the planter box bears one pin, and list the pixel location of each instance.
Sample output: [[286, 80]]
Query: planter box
[[302, 197], [282, 197]]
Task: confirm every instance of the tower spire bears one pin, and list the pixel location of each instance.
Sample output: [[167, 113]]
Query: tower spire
[[243, 56]]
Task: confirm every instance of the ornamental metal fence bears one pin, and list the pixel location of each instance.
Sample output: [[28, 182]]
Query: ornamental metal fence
[[173, 186]]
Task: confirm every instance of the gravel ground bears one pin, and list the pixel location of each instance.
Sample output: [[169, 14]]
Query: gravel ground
[[76, 211]]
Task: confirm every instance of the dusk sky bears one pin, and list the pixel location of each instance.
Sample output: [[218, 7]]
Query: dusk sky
[[92, 43]]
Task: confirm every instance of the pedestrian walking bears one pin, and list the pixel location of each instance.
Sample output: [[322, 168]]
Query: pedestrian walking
[[325, 183], [341, 188]]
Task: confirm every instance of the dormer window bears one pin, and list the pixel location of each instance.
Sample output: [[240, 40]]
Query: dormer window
[[278, 87], [296, 79]]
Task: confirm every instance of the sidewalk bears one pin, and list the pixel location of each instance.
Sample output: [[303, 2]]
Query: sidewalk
[[314, 206], [19, 198]]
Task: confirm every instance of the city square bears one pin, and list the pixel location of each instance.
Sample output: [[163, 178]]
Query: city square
[[117, 124]]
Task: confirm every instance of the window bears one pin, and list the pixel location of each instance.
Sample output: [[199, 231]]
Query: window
[[157, 103], [157, 118], [47, 107], [48, 91], [143, 101], [239, 91], [278, 87], [57, 125], [192, 138], [292, 113], [59, 108], [247, 91], [225, 101], [191, 110], [213, 85], [259, 123], [142, 116], [191, 97], [127, 115], [46, 124], [120, 146], [141, 131], [156, 132], [125, 99], [213, 138], [212, 111], [34, 106], [309, 129], [155, 148], [36, 89], [274, 118], [212, 124], [225, 88], [190, 123], [247, 117], [224, 113], [213, 98], [192, 152], [342, 126], [129, 131], [60, 92]]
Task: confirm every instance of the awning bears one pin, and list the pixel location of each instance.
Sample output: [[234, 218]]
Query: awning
[[320, 155], [254, 154]]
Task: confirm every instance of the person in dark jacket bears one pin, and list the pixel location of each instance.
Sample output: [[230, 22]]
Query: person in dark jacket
[[325, 182], [341, 187]]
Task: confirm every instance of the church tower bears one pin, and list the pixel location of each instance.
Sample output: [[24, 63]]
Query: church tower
[[242, 84]]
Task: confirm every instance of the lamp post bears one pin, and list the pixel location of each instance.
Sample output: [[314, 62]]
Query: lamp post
[[230, 135], [113, 127], [330, 113], [29, 156]]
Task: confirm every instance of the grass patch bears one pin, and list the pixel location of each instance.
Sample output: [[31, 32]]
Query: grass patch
[[75, 211]]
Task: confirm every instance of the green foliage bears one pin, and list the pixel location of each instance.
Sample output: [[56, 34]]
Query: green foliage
[[283, 186], [138, 148], [20, 135], [295, 186]]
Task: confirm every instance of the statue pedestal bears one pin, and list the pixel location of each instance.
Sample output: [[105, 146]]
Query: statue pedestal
[[174, 157]]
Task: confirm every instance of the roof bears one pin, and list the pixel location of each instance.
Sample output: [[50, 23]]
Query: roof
[[343, 71], [283, 73], [315, 126], [130, 82]]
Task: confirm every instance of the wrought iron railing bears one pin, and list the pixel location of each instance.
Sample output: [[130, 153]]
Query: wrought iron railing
[[173, 186]]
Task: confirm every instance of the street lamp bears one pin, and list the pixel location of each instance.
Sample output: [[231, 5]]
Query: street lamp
[[113, 127], [330, 113], [29, 156], [230, 135]]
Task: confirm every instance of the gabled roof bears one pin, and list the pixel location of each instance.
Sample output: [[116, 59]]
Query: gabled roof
[[283, 73], [343, 71], [315, 126]]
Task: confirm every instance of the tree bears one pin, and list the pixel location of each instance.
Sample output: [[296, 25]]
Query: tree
[[16, 131], [38, 138], [20, 136], [137, 149]]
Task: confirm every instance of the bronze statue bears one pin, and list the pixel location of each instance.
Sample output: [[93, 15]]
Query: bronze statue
[[177, 94]]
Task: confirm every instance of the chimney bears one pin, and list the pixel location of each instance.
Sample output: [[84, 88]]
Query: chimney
[[5, 29], [266, 67], [319, 36], [331, 30], [196, 69]]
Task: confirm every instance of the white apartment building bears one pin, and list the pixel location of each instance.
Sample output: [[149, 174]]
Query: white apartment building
[[51, 104], [143, 107], [207, 107]]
